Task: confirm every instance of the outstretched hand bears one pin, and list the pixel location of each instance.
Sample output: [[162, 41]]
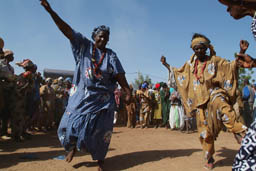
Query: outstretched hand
[[45, 4], [163, 59], [244, 44], [245, 60]]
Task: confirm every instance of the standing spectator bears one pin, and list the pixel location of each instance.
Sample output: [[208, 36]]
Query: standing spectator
[[248, 100], [176, 117], [158, 106], [48, 99], [117, 93], [131, 109], [145, 105], [164, 94], [7, 82]]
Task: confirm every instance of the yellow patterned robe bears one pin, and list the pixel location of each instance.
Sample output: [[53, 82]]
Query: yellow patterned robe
[[218, 82]]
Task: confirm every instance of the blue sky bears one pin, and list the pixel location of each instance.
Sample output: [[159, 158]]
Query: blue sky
[[141, 31]]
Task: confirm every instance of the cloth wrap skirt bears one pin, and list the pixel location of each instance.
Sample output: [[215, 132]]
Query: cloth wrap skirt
[[89, 132]]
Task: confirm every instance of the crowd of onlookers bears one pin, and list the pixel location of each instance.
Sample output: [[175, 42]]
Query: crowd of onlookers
[[27, 101], [158, 106]]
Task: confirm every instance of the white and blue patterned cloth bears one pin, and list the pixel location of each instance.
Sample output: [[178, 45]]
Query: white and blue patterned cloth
[[253, 26], [87, 123], [245, 159]]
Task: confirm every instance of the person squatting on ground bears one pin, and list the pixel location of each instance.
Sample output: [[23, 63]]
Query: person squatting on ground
[[207, 84], [87, 123]]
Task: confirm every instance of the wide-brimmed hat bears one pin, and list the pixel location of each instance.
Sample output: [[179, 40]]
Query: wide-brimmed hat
[[26, 63], [7, 52]]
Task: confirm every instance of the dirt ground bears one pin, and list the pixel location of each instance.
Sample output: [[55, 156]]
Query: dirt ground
[[130, 149]]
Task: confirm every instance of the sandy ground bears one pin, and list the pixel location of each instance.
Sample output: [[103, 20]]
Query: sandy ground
[[130, 149]]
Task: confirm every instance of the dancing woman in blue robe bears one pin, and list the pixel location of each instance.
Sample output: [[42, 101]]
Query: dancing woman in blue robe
[[87, 123]]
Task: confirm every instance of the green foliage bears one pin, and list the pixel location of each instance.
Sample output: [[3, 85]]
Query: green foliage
[[140, 80], [244, 74]]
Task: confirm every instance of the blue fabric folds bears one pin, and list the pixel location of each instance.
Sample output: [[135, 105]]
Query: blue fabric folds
[[91, 132]]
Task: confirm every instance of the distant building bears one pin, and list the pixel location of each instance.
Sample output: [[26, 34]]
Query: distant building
[[56, 73]]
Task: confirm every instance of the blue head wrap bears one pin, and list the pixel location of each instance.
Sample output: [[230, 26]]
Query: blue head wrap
[[98, 29], [68, 79], [144, 85]]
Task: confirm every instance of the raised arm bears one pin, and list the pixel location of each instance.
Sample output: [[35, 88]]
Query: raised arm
[[62, 25], [163, 60], [245, 60], [244, 44]]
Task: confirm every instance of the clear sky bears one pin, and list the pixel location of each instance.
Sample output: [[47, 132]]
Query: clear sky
[[141, 31]]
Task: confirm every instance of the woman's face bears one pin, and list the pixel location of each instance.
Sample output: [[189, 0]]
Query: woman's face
[[200, 50], [237, 12], [101, 39]]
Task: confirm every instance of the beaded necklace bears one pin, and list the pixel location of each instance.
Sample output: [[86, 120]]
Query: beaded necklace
[[96, 69], [196, 71]]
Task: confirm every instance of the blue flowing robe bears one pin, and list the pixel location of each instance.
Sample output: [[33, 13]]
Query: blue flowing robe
[[87, 123]]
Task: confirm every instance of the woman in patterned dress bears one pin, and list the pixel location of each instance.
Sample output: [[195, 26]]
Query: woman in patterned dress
[[207, 85], [87, 122]]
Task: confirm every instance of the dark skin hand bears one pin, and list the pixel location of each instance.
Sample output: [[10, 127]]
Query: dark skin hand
[[63, 26], [101, 38], [123, 83], [245, 60], [244, 44], [163, 60]]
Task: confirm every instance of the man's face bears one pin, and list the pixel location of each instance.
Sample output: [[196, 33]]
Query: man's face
[[236, 11]]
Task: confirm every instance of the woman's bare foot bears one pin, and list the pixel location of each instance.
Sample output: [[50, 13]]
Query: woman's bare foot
[[100, 165], [70, 155]]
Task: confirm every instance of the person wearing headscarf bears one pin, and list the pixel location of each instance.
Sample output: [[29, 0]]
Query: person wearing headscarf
[[176, 114], [158, 106], [207, 85], [87, 123], [47, 105], [144, 105]]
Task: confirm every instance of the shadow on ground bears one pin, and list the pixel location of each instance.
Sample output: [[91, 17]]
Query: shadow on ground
[[228, 156], [126, 161], [49, 139]]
